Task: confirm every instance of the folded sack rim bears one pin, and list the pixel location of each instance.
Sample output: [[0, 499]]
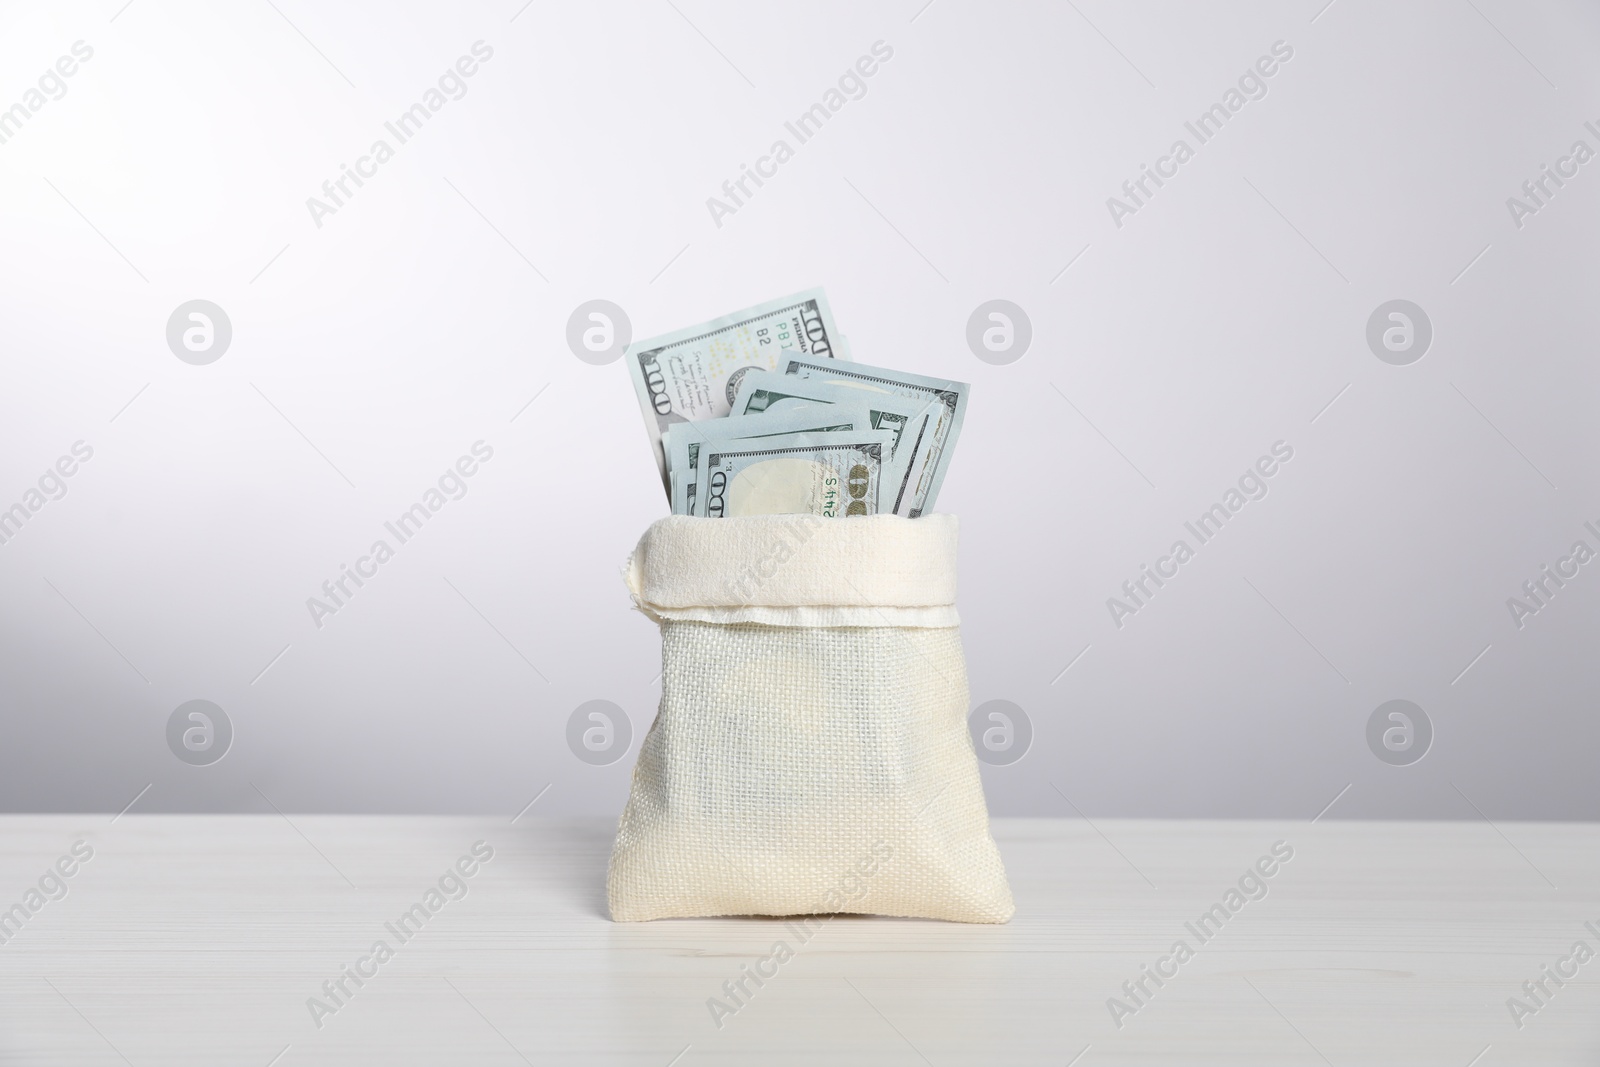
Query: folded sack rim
[[798, 570]]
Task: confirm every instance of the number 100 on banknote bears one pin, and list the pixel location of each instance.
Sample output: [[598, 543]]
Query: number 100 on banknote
[[694, 373]]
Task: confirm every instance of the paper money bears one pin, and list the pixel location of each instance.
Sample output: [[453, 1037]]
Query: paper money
[[832, 475], [682, 443], [693, 373], [951, 397], [911, 418]]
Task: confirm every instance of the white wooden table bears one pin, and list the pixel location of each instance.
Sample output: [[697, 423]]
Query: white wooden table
[[198, 940]]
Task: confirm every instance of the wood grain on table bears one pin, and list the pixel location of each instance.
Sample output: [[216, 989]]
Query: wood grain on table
[[212, 939]]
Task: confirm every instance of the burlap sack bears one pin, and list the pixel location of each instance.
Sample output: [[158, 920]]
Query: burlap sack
[[811, 752]]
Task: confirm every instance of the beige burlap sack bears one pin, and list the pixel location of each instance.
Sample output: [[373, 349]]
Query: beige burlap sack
[[811, 752]]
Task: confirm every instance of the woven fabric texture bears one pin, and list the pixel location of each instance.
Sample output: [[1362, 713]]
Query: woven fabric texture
[[801, 769]]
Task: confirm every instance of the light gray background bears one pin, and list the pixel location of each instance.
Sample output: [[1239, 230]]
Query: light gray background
[[1168, 354]]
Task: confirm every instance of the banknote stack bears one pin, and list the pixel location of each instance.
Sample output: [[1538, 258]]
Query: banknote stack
[[762, 412]]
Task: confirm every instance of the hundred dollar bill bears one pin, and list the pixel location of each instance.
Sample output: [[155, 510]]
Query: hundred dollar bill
[[831, 475], [913, 420], [693, 373], [951, 397], [682, 443]]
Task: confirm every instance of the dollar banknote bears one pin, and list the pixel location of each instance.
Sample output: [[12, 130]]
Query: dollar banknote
[[912, 419], [950, 396], [831, 475], [693, 373], [682, 443]]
